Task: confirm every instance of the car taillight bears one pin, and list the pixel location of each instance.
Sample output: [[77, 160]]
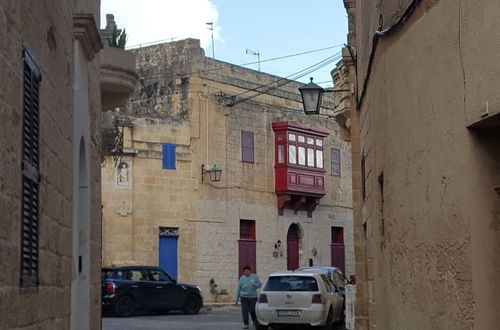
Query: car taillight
[[263, 298], [110, 287], [316, 299]]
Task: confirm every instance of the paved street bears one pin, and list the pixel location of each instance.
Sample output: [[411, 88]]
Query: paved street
[[221, 318]]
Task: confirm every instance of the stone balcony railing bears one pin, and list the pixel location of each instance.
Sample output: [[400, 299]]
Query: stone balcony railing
[[118, 77]]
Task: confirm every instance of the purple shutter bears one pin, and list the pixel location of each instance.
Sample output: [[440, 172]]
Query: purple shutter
[[247, 147], [338, 256], [292, 253], [247, 255], [335, 162]]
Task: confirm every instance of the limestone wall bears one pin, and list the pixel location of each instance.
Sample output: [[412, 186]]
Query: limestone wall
[[427, 224], [180, 101]]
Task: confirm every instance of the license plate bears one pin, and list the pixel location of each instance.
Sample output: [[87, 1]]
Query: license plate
[[288, 312]]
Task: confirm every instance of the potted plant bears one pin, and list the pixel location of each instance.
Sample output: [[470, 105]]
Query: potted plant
[[220, 295], [118, 40]]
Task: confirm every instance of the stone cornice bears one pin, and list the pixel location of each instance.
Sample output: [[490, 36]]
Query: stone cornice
[[85, 30], [350, 4]]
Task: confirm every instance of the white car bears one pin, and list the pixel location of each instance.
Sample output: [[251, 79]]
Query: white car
[[299, 297]]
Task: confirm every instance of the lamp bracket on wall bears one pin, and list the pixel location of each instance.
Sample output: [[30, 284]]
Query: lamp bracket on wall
[[214, 172]]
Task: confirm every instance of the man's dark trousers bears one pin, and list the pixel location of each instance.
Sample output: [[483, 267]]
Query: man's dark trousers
[[248, 306]]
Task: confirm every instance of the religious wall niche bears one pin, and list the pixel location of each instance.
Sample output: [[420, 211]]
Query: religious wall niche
[[123, 177]]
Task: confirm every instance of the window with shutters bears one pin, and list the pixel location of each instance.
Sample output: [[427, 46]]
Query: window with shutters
[[168, 156], [30, 173], [299, 166], [335, 162], [247, 229], [247, 147]]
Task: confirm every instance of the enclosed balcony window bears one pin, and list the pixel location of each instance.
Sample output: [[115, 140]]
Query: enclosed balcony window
[[299, 166], [304, 151], [319, 158], [302, 156], [292, 154], [281, 154], [310, 157]]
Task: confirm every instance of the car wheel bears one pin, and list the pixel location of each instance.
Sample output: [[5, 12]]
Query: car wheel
[[125, 306], [191, 305], [260, 327]]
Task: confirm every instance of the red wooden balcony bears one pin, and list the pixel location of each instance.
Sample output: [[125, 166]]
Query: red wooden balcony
[[299, 167]]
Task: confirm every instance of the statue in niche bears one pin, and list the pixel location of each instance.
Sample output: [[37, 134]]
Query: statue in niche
[[123, 174]]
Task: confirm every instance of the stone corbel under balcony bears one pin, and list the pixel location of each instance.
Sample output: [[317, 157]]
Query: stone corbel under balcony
[[118, 77], [297, 203]]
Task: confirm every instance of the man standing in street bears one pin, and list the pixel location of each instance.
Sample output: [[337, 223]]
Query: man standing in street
[[247, 291]]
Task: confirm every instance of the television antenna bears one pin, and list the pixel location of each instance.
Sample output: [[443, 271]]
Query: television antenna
[[211, 28], [251, 52]]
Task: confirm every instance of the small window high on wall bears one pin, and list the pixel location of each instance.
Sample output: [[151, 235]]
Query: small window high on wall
[[335, 162], [168, 156], [247, 147]]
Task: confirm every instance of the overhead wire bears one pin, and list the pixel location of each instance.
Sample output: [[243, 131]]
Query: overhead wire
[[284, 81], [279, 82], [325, 61]]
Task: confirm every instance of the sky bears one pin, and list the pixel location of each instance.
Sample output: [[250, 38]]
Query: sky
[[273, 28]]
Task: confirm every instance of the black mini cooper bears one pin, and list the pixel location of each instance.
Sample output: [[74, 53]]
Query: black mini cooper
[[147, 288]]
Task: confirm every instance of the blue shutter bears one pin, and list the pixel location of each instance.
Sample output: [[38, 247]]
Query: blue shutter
[[168, 161]]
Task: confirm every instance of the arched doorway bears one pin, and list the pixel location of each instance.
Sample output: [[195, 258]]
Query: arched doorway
[[293, 238], [80, 284]]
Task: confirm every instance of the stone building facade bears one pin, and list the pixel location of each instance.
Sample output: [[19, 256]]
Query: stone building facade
[[50, 176], [425, 134], [188, 114]]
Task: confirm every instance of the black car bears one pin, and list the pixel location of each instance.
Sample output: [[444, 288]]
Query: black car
[[131, 288]]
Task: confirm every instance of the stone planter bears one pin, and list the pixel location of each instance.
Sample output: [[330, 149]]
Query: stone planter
[[118, 77], [223, 298]]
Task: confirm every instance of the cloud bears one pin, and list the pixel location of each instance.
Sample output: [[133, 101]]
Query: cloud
[[147, 21]]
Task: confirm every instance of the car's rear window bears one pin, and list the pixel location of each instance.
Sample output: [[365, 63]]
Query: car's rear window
[[291, 283], [105, 273]]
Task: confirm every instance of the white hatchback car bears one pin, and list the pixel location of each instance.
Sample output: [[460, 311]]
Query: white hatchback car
[[299, 297]]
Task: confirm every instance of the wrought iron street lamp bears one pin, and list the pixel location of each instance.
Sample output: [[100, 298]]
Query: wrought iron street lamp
[[312, 95], [214, 172]]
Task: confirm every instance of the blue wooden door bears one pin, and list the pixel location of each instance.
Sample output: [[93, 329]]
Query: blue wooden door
[[168, 254]]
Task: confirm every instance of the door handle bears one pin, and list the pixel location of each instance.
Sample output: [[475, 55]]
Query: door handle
[[134, 286], [159, 287]]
